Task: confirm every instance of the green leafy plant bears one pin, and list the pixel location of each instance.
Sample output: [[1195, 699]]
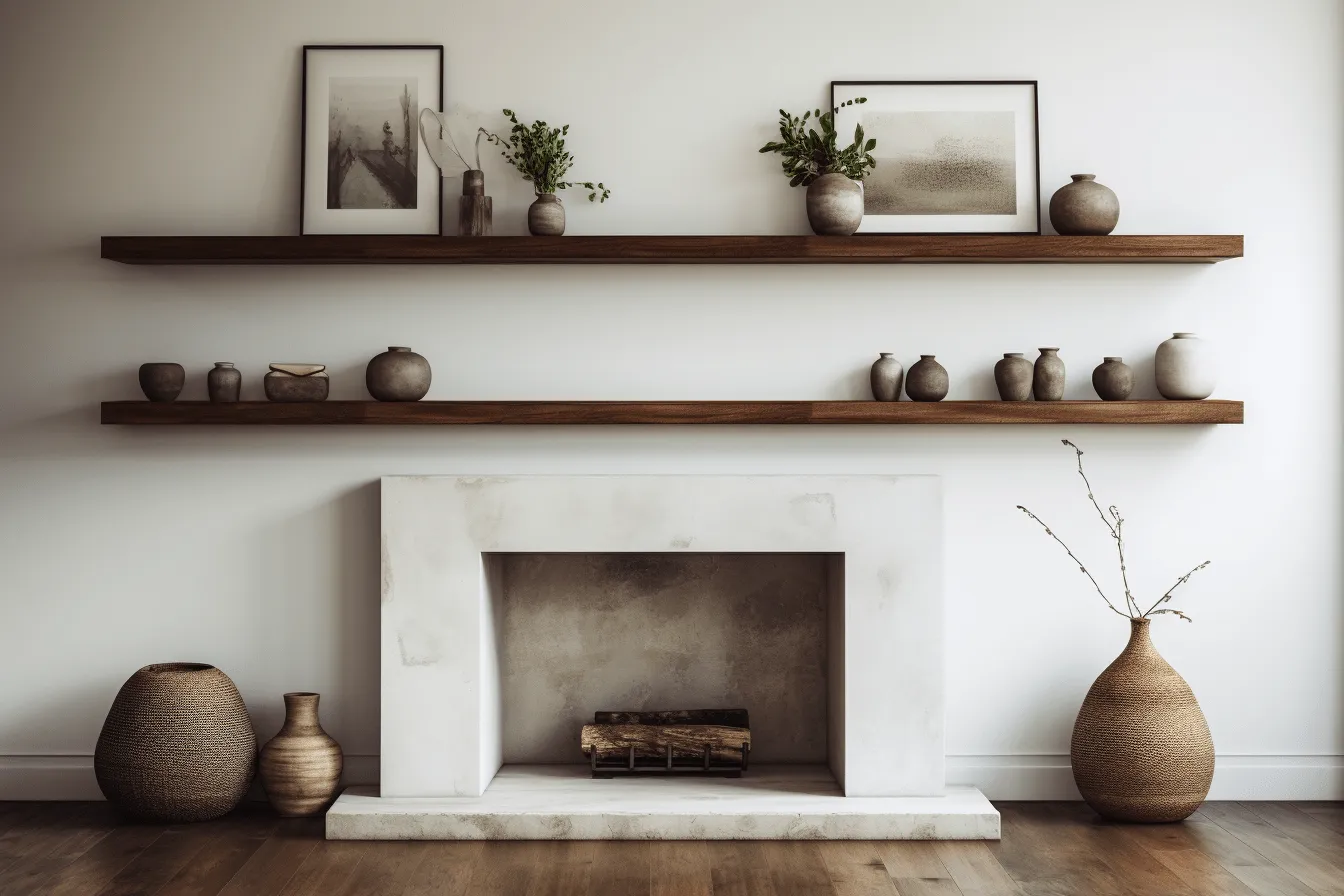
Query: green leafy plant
[[538, 152], [1115, 523], [809, 154]]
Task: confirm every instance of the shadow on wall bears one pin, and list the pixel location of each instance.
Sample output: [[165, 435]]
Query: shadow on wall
[[323, 621]]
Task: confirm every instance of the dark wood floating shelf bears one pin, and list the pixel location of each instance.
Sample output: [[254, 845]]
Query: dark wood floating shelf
[[1000, 249], [430, 413]]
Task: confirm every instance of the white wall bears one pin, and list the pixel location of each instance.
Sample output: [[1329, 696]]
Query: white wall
[[256, 549]]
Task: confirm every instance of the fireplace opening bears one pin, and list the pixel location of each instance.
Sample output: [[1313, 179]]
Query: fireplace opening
[[581, 634]]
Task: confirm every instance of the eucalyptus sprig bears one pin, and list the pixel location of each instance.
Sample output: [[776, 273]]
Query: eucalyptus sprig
[[538, 152], [808, 154]]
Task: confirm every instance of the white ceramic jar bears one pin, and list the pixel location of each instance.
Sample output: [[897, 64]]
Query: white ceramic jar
[[1185, 368]]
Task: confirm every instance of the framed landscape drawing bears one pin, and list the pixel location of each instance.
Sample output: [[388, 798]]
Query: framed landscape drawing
[[952, 156], [364, 165]]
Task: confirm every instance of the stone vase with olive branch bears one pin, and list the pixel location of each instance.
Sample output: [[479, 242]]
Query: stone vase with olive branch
[[1141, 748]]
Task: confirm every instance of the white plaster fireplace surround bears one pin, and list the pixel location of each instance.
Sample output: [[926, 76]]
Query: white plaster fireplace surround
[[442, 715]]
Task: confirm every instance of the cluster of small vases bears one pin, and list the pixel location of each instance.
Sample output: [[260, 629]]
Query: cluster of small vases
[[397, 374], [1183, 367], [927, 380]]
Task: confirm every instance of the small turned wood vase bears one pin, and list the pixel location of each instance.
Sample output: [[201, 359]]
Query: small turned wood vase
[[1141, 748], [301, 766], [177, 745], [475, 210]]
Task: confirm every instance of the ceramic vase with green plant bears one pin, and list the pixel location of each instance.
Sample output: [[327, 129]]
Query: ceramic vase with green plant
[[833, 176], [1141, 749], [538, 152]]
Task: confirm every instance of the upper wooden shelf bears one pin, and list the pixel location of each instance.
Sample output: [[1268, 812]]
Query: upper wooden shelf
[[418, 413], [195, 250]]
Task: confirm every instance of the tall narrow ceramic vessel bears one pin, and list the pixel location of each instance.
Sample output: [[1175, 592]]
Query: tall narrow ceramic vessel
[[301, 766], [1141, 749], [887, 376], [475, 209], [1047, 382]]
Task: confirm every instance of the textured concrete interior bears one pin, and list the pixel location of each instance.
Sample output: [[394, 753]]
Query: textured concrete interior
[[583, 632]]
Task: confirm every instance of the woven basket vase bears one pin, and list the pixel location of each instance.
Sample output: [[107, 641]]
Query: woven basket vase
[[1141, 748], [177, 745]]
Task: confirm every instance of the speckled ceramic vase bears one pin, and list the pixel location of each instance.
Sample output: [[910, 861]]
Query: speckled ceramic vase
[[546, 216], [162, 380], [834, 205], [224, 382], [1012, 376], [398, 374], [1184, 367], [1047, 381], [927, 380], [1113, 380], [1084, 208], [300, 767], [887, 377]]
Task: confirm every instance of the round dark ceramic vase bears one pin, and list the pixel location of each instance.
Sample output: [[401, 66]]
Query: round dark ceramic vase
[[398, 374], [1141, 748], [546, 216], [224, 382], [1012, 376], [1084, 208], [162, 380], [1113, 380], [1047, 381], [834, 205], [927, 380], [887, 377]]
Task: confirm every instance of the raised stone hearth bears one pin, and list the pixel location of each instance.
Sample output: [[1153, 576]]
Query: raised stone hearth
[[465, 660]]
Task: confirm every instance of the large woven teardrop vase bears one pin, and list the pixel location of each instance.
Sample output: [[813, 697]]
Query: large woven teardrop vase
[[177, 745], [301, 766], [1141, 748]]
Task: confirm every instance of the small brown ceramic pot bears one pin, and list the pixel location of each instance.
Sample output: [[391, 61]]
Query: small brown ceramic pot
[[224, 382], [927, 380], [1084, 208], [1113, 380], [162, 380], [834, 205], [546, 216], [1012, 376], [398, 374], [1047, 382]]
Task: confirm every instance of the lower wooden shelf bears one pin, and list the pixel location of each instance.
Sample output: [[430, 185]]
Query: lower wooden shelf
[[431, 413]]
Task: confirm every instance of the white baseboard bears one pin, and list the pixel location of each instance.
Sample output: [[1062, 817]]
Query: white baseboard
[[1022, 777], [1050, 777], [71, 777]]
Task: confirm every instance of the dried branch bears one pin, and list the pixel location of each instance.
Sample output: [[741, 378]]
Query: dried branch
[[1153, 611], [1081, 567], [1116, 530]]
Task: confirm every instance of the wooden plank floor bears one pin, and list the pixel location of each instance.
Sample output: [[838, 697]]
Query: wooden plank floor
[[1050, 849]]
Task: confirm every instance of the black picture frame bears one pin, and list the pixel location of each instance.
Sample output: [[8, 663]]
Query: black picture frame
[[1036, 140], [303, 117]]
